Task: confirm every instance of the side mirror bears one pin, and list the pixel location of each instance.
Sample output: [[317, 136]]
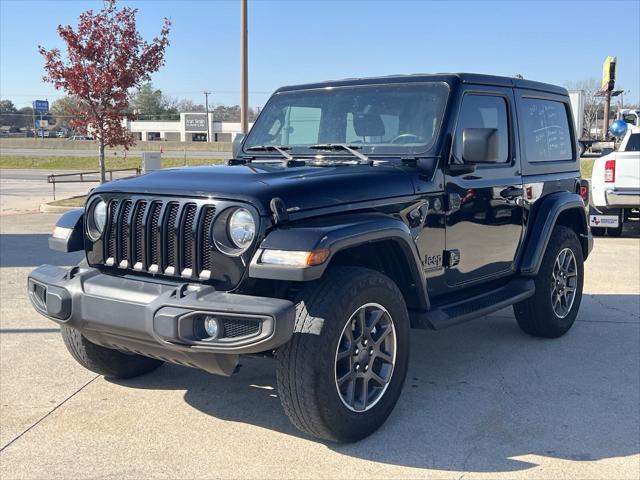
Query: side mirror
[[480, 145], [237, 144]]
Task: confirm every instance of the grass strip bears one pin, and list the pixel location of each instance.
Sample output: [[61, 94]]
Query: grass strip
[[91, 163]]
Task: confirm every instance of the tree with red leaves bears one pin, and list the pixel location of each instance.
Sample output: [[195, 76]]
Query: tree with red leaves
[[106, 57]]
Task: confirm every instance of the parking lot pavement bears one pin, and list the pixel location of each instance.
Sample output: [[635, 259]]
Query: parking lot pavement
[[482, 400]]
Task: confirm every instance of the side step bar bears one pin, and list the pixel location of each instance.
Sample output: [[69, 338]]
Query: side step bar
[[443, 316]]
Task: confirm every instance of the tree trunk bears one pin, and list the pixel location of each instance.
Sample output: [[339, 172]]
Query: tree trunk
[[103, 175]]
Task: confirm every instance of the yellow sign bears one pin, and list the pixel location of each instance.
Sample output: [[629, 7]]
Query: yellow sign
[[608, 73]]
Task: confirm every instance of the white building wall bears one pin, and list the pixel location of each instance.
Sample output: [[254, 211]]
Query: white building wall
[[144, 127]]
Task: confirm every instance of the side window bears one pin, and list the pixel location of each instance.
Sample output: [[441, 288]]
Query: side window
[[302, 125], [545, 130], [483, 111], [633, 144]]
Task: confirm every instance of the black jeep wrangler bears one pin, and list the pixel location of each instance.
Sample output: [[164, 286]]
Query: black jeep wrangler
[[353, 211]]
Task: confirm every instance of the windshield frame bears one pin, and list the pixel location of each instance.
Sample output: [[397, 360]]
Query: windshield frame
[[303, 151]]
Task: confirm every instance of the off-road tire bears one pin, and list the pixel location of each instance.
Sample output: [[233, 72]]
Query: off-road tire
[[536, 315], [105, 361], [306, 364]]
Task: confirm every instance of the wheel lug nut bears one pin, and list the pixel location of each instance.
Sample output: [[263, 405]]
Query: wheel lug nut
[[356, 351], [365, 342], [366, 367], [357, 367], [371, 351]]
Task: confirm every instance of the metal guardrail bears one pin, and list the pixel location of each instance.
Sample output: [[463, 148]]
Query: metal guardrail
[[81, 177]]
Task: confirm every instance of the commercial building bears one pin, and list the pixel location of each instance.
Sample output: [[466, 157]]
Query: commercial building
[[192, 127]]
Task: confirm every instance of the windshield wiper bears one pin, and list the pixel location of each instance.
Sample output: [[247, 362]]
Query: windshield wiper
[[341, 146], [271, 148]]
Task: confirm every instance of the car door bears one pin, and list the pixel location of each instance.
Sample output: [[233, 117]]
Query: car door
[[484, 193]]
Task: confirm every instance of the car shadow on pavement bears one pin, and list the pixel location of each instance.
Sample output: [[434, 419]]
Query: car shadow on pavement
[[482, 397], [31, 250]]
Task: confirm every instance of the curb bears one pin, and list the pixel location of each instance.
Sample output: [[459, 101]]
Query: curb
[[46, 208]]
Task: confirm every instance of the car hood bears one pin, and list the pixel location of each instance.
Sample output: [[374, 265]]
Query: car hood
[[301, 188]]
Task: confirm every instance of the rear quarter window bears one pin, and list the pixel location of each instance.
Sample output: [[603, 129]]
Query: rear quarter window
[[633, 144], [545, 131]]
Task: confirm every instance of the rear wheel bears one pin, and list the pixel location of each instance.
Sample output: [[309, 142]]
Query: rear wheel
[[551, 311], [105, 361], [342, 372]]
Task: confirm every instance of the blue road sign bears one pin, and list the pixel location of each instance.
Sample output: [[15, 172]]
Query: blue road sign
[[41, 106]]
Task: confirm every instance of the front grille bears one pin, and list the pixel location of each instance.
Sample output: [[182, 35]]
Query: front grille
[[138, 258], [125, 234], [112, 230], [205, 239], [166, 237]]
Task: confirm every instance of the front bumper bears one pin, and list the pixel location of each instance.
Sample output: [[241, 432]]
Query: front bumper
[[160, 320], [623, 198]]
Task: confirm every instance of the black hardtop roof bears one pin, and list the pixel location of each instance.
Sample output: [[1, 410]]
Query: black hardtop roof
[[465, 78]]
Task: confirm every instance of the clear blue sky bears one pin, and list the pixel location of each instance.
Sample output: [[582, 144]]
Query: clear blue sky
[[299, 41]]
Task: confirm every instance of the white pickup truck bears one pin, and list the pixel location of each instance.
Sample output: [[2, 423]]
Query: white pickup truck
[[615, 187]]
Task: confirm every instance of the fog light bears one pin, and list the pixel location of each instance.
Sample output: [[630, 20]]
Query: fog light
[[211, 326]]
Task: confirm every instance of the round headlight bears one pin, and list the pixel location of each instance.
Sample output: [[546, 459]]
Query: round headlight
[[100, 215], [97, 219], [242, 228]]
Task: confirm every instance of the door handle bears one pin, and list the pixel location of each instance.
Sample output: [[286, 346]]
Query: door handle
[[512, 192]]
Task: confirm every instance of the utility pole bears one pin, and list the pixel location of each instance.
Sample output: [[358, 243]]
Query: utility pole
[[244, 69], [206, 107], [607, 106]]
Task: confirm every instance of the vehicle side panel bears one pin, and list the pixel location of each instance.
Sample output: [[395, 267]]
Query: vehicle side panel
[[483, 223]]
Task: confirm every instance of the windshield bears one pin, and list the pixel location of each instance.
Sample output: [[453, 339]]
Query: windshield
[[374, 119]]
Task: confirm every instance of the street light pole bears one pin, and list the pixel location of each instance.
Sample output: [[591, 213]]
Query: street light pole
[[244, 69], [206, 108]]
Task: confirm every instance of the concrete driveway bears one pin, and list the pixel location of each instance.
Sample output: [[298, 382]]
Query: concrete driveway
[[482, 400]]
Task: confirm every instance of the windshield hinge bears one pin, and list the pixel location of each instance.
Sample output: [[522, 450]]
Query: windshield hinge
[[411, 161], [236, 161]]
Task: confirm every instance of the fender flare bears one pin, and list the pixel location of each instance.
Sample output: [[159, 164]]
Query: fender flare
[[342, 233], [544, 219], [67, 235]]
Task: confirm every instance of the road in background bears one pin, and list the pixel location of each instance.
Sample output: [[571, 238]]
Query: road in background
[[54, 152], [23, 191], [481, 400]]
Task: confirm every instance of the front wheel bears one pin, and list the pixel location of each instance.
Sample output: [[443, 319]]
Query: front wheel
[[105, 361], [551, 311], [342, 372]]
